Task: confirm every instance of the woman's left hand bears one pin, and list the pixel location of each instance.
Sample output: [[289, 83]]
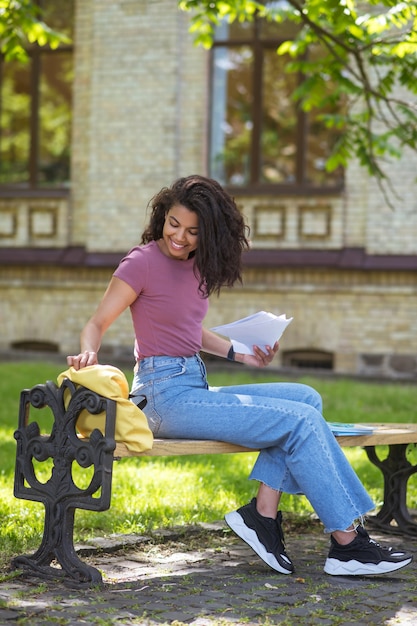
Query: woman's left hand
[[259, 358]]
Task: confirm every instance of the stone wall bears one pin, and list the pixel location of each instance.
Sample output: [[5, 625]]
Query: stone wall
[[365, 321], [34, 222], [140, 121], [140, 115]]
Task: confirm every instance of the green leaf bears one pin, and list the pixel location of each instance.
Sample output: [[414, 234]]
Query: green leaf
[[367, 65]]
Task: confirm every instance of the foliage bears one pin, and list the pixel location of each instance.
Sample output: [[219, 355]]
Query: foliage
[[367, 66], [20, 26]]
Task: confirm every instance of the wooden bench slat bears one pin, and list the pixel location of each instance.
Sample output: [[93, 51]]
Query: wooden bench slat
[[384, 434], [181, 447]]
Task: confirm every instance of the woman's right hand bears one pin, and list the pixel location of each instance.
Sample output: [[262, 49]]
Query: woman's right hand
[[84, 359]]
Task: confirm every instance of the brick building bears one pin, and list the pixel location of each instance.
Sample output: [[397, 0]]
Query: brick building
[[141, 106]]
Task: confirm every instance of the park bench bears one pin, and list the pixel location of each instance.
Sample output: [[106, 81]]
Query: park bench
[[61, 496]]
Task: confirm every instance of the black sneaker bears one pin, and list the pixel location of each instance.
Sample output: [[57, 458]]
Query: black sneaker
[[263, 534], [364, 556]]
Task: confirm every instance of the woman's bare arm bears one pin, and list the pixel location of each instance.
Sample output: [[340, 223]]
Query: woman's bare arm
[[118, 297]]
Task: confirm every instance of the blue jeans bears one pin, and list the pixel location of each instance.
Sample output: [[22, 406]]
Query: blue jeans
[[298, 451]]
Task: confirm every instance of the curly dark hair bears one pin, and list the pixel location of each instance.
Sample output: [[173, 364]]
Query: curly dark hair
[[222, 232]]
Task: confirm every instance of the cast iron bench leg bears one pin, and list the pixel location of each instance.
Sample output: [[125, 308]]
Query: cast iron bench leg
[[396, 470], [60, 495], [58, 546]]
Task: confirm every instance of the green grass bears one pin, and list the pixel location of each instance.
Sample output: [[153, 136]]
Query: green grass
[[154, 493]]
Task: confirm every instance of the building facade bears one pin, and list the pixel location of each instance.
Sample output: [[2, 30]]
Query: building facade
[[144, 107]]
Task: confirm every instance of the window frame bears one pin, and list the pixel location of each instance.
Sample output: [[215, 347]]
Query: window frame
[[255, 186], [31, 187]]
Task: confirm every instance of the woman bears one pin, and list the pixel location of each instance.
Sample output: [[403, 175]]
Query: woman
[[192, 248]]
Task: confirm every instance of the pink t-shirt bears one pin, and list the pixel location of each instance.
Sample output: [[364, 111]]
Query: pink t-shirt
[[168, 313]]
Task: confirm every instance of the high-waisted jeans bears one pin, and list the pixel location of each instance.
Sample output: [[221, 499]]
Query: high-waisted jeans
[[298, 452]]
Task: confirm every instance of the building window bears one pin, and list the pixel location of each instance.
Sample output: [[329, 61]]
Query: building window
[[35, 110], [259, 137], [308, 359]]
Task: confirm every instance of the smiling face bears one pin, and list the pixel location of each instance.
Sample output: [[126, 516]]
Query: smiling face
[[180, 233]]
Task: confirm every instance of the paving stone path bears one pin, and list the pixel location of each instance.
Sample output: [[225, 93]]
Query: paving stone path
[[205, 576]]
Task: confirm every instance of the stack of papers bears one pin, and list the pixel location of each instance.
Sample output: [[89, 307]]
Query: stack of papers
[[261, 329], [341, 430]]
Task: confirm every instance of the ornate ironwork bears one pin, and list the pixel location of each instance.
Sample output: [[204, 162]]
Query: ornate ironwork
[[396, 470], [60, 494]]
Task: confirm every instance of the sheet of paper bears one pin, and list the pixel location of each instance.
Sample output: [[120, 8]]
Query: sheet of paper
[[341, 429], [261, 329]]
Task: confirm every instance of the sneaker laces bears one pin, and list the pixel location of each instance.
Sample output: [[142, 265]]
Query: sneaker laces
[[362, 533], [278, 522], [278, 534]]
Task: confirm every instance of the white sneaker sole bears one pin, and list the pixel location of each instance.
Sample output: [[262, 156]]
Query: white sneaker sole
[[334, 567], [236, 523]]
